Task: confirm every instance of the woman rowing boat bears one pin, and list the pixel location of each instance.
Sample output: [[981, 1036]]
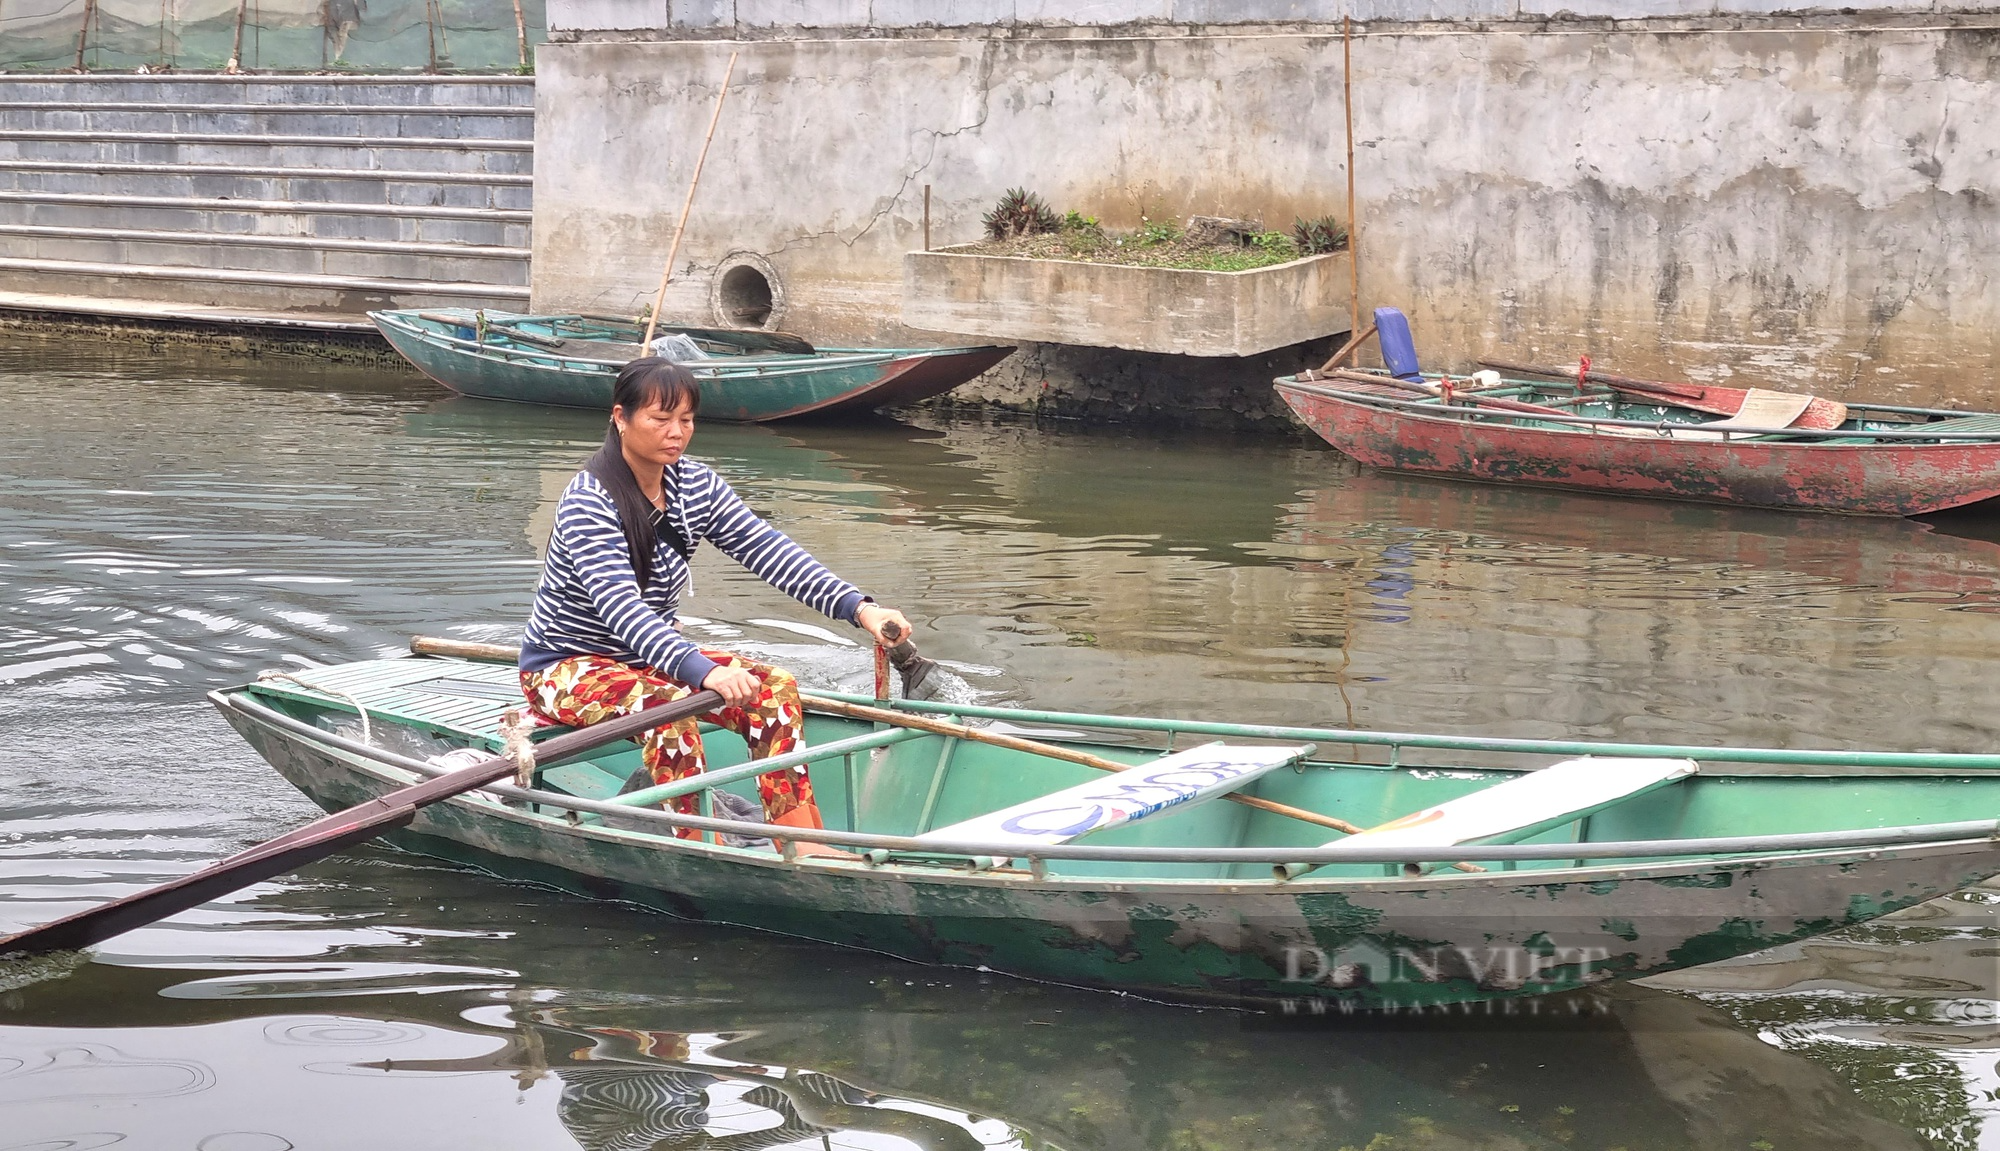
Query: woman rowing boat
[[602, 641]]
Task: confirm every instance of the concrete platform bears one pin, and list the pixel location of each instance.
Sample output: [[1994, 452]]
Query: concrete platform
[[1169, 310], [87, 308], [339, 337]]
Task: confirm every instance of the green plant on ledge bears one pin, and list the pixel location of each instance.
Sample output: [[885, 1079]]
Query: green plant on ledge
[[1020, 213], [1152, 232], [1276, 244], [1318, 235]]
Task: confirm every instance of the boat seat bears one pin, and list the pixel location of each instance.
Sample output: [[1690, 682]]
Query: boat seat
[[1185, 778], [1512, 811]]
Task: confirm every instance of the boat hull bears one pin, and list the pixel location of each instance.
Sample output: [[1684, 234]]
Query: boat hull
[[748, 389], [1310, 945], [1879, 479]]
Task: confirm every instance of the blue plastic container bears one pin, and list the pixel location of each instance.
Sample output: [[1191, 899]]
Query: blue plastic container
[[1399, 351]]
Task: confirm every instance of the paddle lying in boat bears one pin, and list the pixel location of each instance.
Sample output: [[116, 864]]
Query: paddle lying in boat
[[1765, 405], [1369, 379], [324, 837]]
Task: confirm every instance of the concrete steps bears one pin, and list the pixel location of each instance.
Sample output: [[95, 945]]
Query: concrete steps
[[242, 182], [290, 194]]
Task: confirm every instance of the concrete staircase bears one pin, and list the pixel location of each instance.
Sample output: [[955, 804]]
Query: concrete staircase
[[266, 196]]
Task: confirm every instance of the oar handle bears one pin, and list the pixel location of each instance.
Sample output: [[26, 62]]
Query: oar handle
[[902, 652]]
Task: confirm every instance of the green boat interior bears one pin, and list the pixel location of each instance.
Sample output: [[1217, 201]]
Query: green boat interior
[[1401, 788], [602, 337]]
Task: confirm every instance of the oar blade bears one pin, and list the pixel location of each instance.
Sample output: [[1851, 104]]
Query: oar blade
[[329, 834], [106, 920]]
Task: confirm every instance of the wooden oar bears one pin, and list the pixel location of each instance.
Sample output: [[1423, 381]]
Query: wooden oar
[[903, 653], [1820, 415], [323, 837], [1047, 750], [783, 342], [1351, 346], [1496, 402], [551, 343]]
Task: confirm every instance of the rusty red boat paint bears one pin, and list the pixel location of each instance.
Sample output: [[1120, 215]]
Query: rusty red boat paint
[[1882, 478]]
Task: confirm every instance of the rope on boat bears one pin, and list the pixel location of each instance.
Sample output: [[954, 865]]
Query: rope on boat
[[515, 724], [367, 735]]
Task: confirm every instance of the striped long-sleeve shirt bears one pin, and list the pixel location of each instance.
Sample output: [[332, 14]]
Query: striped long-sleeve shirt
[[589, 600]]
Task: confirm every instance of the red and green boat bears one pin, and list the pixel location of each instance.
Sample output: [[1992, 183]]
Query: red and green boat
[[1660, 441], [570, 361]]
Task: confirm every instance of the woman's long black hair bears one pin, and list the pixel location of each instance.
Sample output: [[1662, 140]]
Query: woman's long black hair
[[649, 381]]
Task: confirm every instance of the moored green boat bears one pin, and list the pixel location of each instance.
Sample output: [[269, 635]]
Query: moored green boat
[[1487, 874], [571, 361]]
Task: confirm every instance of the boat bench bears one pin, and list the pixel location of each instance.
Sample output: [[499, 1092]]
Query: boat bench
[[1182, 779], [1512, 811]]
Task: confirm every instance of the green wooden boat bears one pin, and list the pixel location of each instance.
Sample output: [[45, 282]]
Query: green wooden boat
[[1492, 869], [570, 361]]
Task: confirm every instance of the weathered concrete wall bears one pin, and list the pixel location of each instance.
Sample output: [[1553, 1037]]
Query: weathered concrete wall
[[1174, 310], [1794, 199]]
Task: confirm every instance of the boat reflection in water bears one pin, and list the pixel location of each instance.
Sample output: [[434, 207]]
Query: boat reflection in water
[[519, 1013], [1641, 1069]]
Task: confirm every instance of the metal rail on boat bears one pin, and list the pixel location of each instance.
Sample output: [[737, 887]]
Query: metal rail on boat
[[1663, 428], [1651, 850], [1941, 761]]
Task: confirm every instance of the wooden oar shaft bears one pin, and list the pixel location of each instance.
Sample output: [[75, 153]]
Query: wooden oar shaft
[[324, 836], [1347, 349], [1495, 402], [466, 649], [1047, 750], [1684, 391]]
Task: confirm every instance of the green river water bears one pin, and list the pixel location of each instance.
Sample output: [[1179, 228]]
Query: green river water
[[169, 525]]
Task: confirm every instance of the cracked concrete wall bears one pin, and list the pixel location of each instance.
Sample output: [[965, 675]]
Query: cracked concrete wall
[[1789, 202]]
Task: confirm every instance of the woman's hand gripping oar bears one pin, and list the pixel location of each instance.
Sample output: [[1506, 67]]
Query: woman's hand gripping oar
[[323, 837]]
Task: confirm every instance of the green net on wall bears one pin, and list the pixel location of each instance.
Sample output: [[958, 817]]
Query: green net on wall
[[275, 35]]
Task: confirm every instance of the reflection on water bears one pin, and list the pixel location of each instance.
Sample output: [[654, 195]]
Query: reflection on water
[[170, 527], [621, 1029]]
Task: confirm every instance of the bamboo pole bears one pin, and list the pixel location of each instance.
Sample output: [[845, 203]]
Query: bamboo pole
[[83, 33], [521, 34], [431, 31], [1353, 225], [667, 273], [236, 46]]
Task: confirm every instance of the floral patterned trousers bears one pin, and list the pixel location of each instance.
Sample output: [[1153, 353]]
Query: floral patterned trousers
[[586, 689]]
